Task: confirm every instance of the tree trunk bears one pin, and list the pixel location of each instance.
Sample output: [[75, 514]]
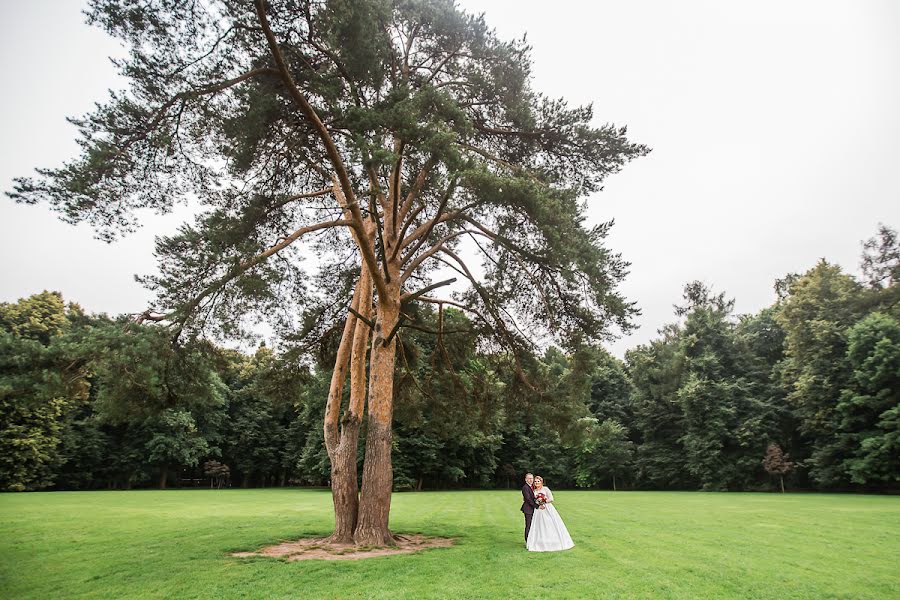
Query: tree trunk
[[342, 444], [614, 482], [344, 487], [163, 475], [341, 488], [377, 479], [781, 477]]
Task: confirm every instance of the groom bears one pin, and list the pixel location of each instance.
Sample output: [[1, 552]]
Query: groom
[[528, 503]]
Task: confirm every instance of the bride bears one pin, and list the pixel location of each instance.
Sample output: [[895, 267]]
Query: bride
[[548, 532]]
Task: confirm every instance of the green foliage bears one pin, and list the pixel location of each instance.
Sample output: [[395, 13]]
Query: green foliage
[[701, 404], [611, 389], [176, 440], [260, 440], [41, 380], [306, 452], [413, 87], [449, 406], [869, 408], [725, 425], [41, 317], [605, 453], [88, 401], [816, 316], [657, 371]]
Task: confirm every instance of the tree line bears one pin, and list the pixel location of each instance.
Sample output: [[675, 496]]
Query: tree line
[[88, 401]]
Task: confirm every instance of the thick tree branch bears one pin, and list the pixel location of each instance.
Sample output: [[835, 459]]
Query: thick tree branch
[[447, 59], [333, 154], [160, 113], [496, 159], [290, 240], [374, 187], [424, 230], [358, 363], [402, 235], [402, 240], [407, 47], [504, 241], [485, 297], [339, 375], [435, 248], [459, 305], [394, 190], [504, 131], [236, 270], [410, 296], [296, 197], [364, 319], [416, 187], [373, 212]]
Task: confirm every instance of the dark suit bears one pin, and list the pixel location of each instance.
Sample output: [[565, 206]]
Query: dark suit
[[528, 507]]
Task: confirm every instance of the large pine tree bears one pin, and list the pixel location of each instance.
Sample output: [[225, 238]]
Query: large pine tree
[[378, 134]]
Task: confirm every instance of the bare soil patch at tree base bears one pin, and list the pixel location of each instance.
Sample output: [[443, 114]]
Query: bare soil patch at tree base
[[324, 549]]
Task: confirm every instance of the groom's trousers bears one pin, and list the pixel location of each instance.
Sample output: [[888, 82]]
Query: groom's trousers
[[528, 517]]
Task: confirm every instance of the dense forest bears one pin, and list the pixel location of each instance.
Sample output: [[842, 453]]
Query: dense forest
[[806, 391]]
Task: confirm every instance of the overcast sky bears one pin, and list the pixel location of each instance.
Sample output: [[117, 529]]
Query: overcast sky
[[775, 129]]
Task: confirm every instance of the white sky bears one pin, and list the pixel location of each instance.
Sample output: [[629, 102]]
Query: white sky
[[775, 129]]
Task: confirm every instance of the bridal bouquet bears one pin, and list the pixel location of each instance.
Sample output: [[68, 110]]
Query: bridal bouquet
[[540, 499]]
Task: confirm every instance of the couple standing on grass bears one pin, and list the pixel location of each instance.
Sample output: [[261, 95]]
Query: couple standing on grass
[[544, 528]]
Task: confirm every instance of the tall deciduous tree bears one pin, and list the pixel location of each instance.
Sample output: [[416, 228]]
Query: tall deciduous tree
[[657, 370], [175, 442], [41, 379], [605, 452], [816, 316], [868, 411], [724, 419], [388, 131]]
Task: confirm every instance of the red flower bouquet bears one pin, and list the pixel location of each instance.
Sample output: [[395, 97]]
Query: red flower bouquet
[[540, 498]]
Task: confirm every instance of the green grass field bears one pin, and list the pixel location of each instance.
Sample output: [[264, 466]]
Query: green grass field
[[174, 544]]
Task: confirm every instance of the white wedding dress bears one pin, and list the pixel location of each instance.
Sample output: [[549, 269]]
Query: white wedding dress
[[548, 533]]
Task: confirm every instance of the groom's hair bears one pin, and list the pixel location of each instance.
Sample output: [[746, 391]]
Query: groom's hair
[[527, 474]]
